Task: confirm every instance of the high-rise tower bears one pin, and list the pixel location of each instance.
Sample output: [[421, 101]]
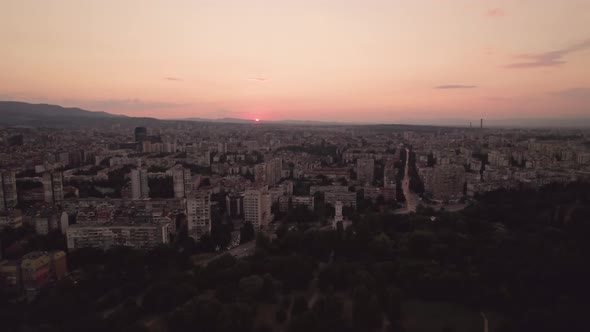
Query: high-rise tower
[[8, 196], [53, 187], [139, 184]]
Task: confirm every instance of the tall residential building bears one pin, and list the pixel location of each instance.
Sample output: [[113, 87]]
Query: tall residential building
[[445, 182], [389, 174], [337, 214], [139, 184], [53, 188], [260, 173], [198, 213], [140, 134], [8, 196], [274, 171], [269, 173], [182, 179], [198, 155], [257, 204], [365, 170]]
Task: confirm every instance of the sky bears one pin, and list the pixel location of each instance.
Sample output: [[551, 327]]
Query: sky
[[388, 61]]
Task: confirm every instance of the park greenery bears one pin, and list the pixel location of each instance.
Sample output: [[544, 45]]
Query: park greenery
[[521, 255]]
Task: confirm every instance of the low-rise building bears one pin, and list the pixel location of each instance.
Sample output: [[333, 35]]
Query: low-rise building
[[10, 276], [347, 198], [307, 201], [137, 236], [11, 218], [39, 269]]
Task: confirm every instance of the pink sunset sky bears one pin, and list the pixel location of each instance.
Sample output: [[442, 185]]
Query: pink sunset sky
[[337, 60]]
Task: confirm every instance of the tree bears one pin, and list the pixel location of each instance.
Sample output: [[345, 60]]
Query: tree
[[431, 160], [251, 287], [221, 263], [299, 306], [306, 322], [366, 311], [392, 304], [167, 296], [157, 169], [221, 234], [330, 310], [206, 243], [282, 231], [247, 232], [381, 245], [420, 243], [262, 242], [281, 316], [161, 187], [227, 292]]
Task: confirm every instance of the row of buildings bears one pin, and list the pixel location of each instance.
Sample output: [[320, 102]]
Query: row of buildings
[[53, 191], [256, 166]]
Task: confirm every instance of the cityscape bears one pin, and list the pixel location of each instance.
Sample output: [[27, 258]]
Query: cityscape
[[307, 175]]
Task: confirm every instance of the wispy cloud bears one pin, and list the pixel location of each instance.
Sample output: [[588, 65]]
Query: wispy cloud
[[174, 79], [547, 59], [259, 79], [495, 13], [575, 95], [455, 86]]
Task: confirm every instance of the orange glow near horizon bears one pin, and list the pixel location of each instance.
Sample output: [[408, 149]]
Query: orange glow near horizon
[[327, 60]]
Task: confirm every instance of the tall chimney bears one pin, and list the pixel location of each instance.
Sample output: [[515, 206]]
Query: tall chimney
[[481, 124]]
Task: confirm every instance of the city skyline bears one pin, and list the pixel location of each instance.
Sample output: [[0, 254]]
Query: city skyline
[[343, 61]]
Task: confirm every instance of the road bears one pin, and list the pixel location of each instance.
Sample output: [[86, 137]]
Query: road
[[241, 251], [412, 200]]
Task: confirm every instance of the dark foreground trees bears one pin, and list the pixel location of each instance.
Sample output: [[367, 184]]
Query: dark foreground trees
[[522, 254]]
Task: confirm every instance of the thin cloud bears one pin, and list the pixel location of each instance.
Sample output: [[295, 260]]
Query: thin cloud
[[579, 95], [547, 59], [455, 86], [259, 79], [495, 13], [574, 92], [175, 79]]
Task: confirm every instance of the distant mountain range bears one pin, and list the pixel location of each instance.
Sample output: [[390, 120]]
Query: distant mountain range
[[493, 123], [13, 113], [245, 121], [566, 122], [222, 120]]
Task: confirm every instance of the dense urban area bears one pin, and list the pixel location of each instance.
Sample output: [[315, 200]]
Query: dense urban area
[[211, 226]]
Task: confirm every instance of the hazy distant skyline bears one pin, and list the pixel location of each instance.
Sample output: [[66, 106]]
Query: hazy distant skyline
[[327, 60]]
